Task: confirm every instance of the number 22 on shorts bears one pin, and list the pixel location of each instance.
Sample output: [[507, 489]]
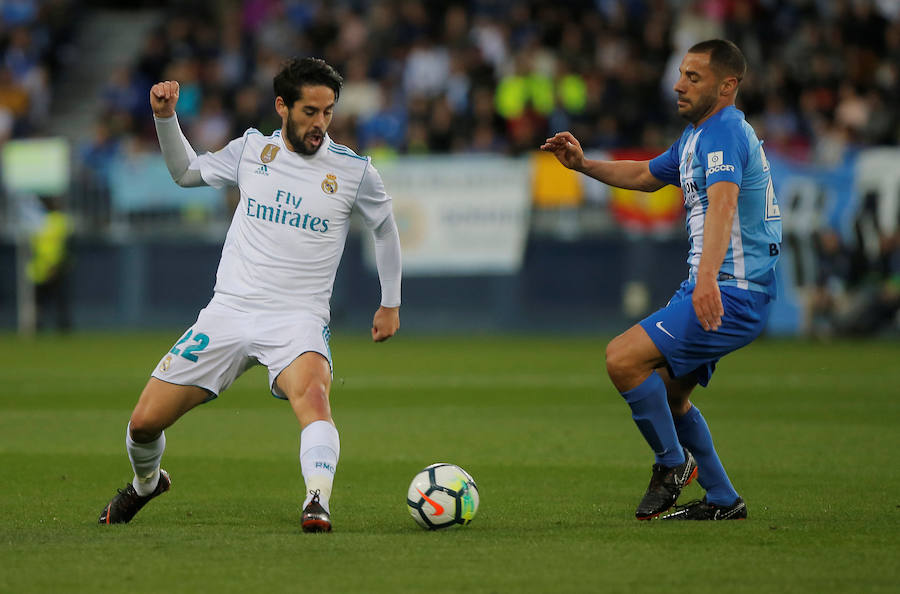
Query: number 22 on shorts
[[201, 341]]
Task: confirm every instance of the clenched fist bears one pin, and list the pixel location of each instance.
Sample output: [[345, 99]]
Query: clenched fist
[[386, 323], [163, 97]]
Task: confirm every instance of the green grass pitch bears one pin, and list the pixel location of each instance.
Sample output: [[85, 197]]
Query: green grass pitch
[[810, 434]]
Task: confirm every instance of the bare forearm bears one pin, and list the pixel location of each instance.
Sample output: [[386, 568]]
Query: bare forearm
[[716, 235], [631, 175]]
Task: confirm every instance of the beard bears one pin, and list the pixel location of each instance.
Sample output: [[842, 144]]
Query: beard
[[697, 110], [305, 145]]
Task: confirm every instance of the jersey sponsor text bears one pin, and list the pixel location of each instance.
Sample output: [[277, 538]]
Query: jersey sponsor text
[[719, 168], [284, 216]]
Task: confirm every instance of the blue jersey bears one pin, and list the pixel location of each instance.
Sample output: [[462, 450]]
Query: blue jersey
[[725, 148]]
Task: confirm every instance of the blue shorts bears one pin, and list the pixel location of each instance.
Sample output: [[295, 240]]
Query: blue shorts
[[692, 351]]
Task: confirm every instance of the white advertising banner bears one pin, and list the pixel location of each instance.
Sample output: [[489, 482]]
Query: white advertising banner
[[459, 214]]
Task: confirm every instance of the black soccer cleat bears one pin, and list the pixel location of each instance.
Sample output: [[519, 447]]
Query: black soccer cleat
[[127, 502], [703, 510], [315, 518], [665, 487]]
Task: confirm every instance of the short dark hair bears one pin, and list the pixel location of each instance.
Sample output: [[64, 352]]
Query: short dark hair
[[300, 72], [724, 57]]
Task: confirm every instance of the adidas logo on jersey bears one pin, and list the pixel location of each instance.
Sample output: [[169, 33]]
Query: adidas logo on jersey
[[262, 170]]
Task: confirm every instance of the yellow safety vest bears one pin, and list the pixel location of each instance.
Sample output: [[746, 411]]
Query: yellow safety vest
[[48, 247]]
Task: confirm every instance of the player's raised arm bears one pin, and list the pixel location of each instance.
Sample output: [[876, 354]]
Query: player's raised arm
[[163, 98], [632, 175], [176, 149]]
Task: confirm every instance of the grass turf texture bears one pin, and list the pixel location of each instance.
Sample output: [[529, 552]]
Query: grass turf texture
[[809, 433]]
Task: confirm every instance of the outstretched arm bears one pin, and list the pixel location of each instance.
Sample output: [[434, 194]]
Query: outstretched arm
[[176, 150], [631, 175]]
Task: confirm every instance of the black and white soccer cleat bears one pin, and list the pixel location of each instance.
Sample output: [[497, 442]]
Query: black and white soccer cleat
[[315, 517], [703, 510], [127, 502], [665, 486]]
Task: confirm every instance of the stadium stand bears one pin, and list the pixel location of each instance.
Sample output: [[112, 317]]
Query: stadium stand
[[470, 77]]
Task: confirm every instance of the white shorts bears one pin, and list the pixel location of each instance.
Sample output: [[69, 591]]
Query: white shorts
[[225, 342]]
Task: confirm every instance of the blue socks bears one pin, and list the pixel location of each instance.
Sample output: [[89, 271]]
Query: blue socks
[[650, 411], [693, 432]]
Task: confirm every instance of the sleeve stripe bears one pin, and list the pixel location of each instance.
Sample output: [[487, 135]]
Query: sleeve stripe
[[347, 153], [359, 187]]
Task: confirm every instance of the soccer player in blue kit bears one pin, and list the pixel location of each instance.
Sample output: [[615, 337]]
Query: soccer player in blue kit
[[734, 226]]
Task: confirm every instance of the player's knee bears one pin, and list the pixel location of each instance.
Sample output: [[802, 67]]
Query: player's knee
[[143, 429], [315, 397], [679, 404], [616, 359]]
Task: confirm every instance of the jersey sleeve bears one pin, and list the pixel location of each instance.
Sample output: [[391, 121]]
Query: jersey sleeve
[[665, 166], [220, 168], [723, 152], [374, 205], [373, 202]]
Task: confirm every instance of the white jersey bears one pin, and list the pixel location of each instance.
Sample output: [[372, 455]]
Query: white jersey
[[288, 232]]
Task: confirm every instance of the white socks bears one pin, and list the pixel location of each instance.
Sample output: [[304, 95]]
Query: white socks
[[320, 447], [145, 459]]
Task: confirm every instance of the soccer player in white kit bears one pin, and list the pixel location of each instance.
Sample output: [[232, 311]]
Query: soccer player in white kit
[[271, 299]]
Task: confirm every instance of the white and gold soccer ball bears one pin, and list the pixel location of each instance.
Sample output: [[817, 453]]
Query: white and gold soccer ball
[[442, 495]]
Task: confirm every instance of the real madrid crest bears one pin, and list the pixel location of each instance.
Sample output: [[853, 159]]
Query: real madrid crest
[[329, 184], [166, 363], [268, 153]]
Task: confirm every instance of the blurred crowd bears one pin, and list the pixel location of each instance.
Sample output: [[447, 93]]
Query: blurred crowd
[[473, 76], [34, 36], [483, 75], [491, 75]]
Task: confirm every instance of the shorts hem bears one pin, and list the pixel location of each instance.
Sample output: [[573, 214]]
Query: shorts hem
[[683, 370], [211, 394]]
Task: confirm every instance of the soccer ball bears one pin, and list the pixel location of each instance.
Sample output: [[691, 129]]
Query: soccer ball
[[442, 495]]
